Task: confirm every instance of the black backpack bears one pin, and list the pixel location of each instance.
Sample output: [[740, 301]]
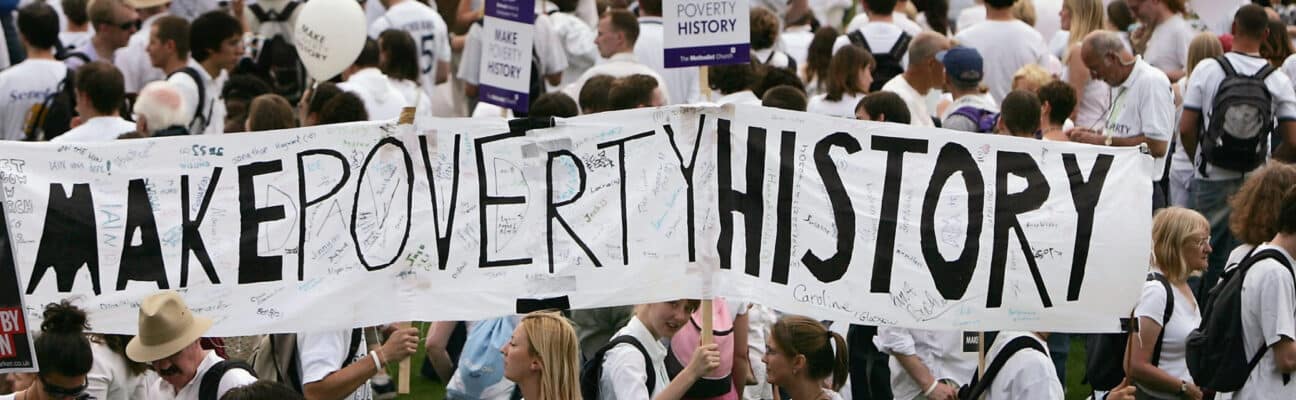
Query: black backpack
[[1237, 137], [211, 379], [980, 383], [1217, 356], [202, 101], [592, 369], [887, 64], [56, 111], [276, 57], [1105, 353]]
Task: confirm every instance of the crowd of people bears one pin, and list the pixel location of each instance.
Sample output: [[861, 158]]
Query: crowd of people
[[1213, 102]]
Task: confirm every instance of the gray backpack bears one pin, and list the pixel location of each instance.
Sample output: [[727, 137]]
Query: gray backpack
[[1237, 137]]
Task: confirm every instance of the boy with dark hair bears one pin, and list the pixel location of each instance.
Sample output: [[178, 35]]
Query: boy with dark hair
[[77, 33], [634, 91], [733, 82], [773, 77], [133, 59], [25, 85], [785, 97], [216, 45], [382, 100], [593, 95], [99, 93], [1057, 101], [554, 104], [882, 106], [1020, 116]]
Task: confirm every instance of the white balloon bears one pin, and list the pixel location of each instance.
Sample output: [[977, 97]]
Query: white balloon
[[329, 36]]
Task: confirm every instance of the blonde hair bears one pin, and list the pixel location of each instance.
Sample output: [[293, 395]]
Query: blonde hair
[[1033, 74], [1024, 11], [1086, 16], [1172, 229], [551, 339], [1204, 45]]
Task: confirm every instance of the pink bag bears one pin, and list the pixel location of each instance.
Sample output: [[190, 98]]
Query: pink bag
[[719, 385]]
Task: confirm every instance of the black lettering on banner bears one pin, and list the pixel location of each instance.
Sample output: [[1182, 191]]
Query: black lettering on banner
[[254, 267], [749, 203], [1007, 208], [834, 267], [687, 171], [1084, 195], [307, 203], [409, 202], [952, 277], [621, 169], [484, 200], [70, 239], [783, 212], [551, 207], [190, 238], [442, 241], [144, 262], [882, 259]]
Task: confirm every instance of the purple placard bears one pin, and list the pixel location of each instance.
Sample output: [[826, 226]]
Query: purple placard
[[503, 97], [513, 10], [739, 53]]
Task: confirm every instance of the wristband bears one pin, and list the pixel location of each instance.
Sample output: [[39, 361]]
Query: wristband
[[931, 388], [376, 360]]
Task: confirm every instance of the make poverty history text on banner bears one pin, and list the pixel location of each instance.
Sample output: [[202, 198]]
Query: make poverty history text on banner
[[463, 219]]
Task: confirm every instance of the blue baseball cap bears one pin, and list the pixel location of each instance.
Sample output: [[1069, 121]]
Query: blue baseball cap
[[962, 64]]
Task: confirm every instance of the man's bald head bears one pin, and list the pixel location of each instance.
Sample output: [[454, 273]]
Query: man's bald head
[[925, 46], [1102, 43], [1105, 55]]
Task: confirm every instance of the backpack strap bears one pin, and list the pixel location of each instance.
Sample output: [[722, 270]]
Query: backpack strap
[[1226, 66], [356, 334], [259, 12], [980, 384], [1251, 259], [34, 128], [202, 98], [287, 12], [651, 382], [1165, 318], [857, 38], [211, 379], [900, 47]]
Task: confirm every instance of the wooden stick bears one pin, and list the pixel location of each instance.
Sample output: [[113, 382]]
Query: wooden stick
[[705, 308], [403, 376], [981, 353], [705, 82]]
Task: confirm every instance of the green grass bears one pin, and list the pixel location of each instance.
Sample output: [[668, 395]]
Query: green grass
[[1075, 368]]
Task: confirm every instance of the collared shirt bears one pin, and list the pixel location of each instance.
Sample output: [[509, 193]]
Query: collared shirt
[[682, 82], [160, 389], [1028, 374], [624, 372], [212, 117], [96, 130], [940, 351], [133, 60], [1143, 105], [916, 102], [382, 100], [619, 65]]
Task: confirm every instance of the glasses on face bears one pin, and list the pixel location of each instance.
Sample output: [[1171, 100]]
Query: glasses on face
[[132, 25], [59, 392], [1201, 243]]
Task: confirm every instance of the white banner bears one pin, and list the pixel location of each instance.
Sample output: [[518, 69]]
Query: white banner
[[360, 224]]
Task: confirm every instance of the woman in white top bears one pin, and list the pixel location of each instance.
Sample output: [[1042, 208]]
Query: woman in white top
[[800, 355], [1254, 216], [849, 75], [63, 353], [398, 59], [1080, 17], [818, 60], [1203, 46], [542, 359], [1180, 245]]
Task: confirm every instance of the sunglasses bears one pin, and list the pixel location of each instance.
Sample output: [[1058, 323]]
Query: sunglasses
[[59, 392], [129, 25]]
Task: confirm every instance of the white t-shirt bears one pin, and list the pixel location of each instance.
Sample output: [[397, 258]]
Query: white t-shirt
[[940, 351], [740, 97], [382, 100], [1185, 317], [96, 130], [844, 108], [796, 42], [1092, 106], [682, 82], [110, 379], [1167, 49], [1268, 315], [576, 39], [133, 60], [321, 353], [880, 36], [1047, 21], [1143, 105], [24, 87], [159, 389], [1028, 374], [624, 372], [1205, 80], [970, 16], [1006, 46], [898, 18], [427, 28], [212, 118], [916, 102], [77, 40]]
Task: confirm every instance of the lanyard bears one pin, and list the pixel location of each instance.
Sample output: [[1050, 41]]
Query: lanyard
[[1117, 109]]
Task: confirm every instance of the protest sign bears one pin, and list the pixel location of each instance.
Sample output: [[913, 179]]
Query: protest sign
[[506, 60], [338, 226], [706, 32], [17, 350]]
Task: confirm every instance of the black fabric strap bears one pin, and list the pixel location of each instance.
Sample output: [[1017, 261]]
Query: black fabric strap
[[1165, 316], [651, 372], [981, 383]]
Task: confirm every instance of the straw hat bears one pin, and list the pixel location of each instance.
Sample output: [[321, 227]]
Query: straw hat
[[166, 326], [138, 4]]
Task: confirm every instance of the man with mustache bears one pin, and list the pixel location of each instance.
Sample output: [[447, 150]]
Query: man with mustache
[[168, 340]]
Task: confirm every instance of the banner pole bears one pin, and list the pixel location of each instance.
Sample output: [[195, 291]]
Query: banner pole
[[403, 376], [705, 309], [981, 353], [705, 83]]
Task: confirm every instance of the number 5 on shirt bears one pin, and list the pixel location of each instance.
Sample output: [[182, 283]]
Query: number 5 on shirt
[[426, 43]]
